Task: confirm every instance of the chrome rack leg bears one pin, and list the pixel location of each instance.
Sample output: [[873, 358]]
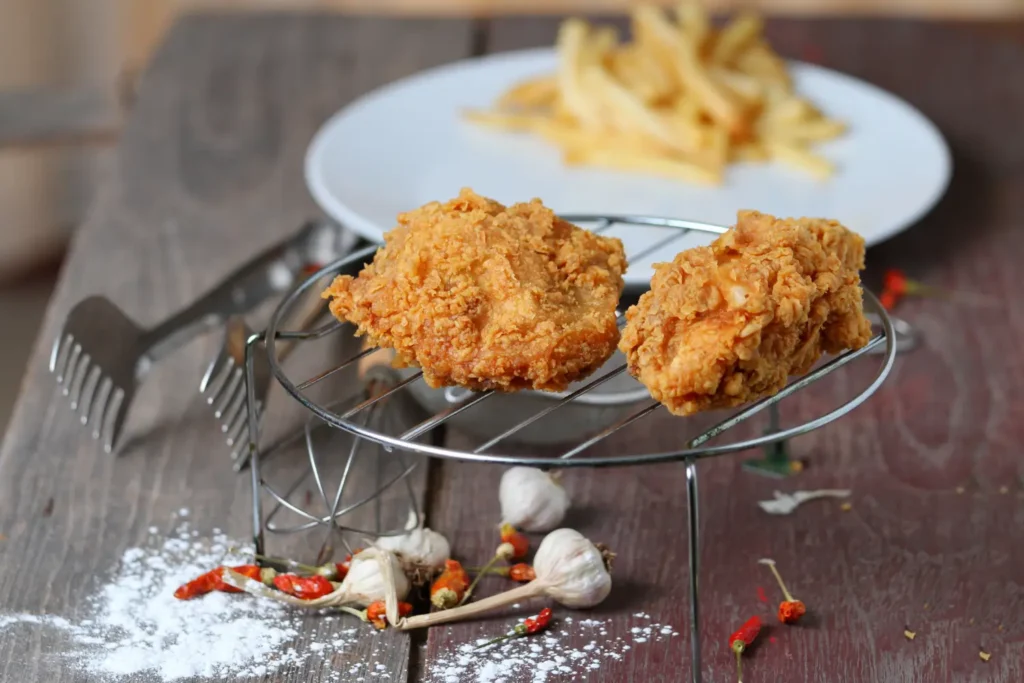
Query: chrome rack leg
[[691, 517], [254, 450]]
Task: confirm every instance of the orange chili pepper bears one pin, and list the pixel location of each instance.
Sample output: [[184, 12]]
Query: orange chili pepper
[[520, 544], [305, 587], [376, 613], [449, 588], [213, 580]]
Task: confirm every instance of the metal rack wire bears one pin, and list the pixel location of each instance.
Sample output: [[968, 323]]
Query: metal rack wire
[[357, 418]]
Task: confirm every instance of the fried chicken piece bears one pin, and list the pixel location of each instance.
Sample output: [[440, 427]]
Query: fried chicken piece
[[729, 323], [489, 297]]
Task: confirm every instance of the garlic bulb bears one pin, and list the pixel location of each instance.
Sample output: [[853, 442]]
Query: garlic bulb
[[422, 548], [574, 569], [569, 568], [373, 575], [531, 499]]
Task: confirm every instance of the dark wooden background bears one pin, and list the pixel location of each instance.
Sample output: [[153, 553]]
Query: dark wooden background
[[209, 171]]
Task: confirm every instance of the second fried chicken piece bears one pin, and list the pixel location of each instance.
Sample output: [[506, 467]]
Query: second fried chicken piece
[[729, 323], [489, 297]]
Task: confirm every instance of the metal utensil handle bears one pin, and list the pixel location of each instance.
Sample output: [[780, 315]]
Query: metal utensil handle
[[271, 272]]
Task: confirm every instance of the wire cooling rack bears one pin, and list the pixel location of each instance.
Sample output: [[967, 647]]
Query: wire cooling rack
[[359, 417]]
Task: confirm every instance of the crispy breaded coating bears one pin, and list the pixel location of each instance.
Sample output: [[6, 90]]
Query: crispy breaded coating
[[729, 323], [489, 297]]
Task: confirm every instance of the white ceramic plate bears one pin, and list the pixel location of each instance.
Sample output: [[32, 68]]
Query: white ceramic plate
[[406, 144]]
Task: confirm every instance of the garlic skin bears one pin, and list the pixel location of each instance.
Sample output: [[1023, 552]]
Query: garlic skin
[[420, 547], [365, 583], [572, 569], [531, 500]]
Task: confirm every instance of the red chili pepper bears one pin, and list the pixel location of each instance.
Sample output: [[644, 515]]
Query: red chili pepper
[[889, 299], [790, 609], [528, 627], [213, 580], [305, 587], [522, 573], [896, 282], [741, 640], [376, 613], [520, 544]]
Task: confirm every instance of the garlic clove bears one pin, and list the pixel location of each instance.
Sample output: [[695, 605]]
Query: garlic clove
[[573, 569], [531, 499], [366, 583]]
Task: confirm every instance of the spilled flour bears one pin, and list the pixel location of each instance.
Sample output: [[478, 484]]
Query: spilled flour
[[547, 657], [133, 625]]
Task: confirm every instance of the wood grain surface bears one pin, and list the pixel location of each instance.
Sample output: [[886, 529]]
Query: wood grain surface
[[210, 171]]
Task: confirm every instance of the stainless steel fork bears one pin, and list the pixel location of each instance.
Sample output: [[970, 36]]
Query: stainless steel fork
[[223, 385], [101, 354]]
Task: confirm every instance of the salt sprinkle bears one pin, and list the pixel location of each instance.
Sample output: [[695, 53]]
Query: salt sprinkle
[[539, 659], [133, 625]]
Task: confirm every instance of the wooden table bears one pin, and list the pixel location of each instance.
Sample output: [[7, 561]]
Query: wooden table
[[210, 170]]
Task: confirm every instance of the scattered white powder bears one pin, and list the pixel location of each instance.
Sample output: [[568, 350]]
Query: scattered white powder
[[134, 626], [550, 658]]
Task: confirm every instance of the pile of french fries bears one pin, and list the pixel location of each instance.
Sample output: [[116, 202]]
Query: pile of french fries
[[683, 100]]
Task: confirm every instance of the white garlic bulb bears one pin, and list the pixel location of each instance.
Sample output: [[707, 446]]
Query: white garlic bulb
[[420, 547], [573, 569], [531, 499]]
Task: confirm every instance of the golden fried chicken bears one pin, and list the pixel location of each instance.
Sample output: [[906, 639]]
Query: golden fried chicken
[[729, 323], [489, 297]]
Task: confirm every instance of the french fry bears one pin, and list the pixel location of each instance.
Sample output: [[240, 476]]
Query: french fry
[[571, 46], [804, 132], [536, 93], [694, 23], [508, 121], [682, 100], [736, 37], [799, 157], [624, 160]]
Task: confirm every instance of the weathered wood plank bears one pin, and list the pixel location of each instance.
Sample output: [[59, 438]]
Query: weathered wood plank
[[912, 550], [209, 172]]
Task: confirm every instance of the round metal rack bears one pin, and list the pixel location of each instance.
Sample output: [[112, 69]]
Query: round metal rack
[[358, 419]]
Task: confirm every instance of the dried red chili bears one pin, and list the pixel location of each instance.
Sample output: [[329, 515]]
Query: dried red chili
[[528, 627], [376, 613], [213, 580], [522, 572], [741, 640], [790, 609], [304, 587], [449, 589]]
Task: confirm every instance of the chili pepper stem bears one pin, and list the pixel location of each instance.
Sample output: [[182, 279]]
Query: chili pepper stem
[[287, 563], [739, 665], [778, 577], [361, 614], [525, 592], [476, 579]]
